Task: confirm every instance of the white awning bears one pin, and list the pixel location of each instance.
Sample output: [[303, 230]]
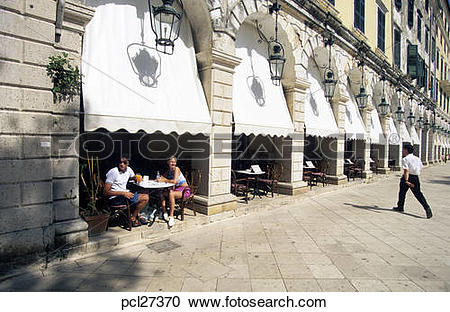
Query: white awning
[[404, 134], [394, 138], [414, 136], [376, 131], [354, 126], [319, 117], [128, 85], [259, 106]]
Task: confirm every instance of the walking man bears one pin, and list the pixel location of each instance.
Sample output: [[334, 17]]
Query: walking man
[[412, 166]]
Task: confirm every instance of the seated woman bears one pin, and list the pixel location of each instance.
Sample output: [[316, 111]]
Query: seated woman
[[173, 175]]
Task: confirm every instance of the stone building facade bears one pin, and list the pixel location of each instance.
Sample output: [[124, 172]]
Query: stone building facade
[[39, 193]]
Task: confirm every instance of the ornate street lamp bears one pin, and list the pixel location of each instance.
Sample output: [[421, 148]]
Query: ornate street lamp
[[329, 80], [420, 123], [166, 23], [426, 125], [399, 113], [361, 98], [411, 117], [275, 49], [383, 106]]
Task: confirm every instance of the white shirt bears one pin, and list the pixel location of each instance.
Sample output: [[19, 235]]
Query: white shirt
[[413, 164], [119, 179]]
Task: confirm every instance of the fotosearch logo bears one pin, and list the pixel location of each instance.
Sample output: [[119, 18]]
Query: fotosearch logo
[[394, 138]]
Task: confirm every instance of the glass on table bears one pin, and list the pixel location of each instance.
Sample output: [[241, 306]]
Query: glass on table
[[138, 178]]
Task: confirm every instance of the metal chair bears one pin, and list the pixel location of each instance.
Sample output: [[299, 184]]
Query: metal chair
[[239, 186], [193, 178]]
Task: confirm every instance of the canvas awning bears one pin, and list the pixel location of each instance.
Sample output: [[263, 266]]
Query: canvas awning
[[128, 85], [354, 126], [319, 117], [376, 131], [404, 134], [259, 106], [394, 138], [414, 137]]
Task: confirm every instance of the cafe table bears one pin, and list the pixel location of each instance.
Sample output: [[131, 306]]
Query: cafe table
[[249, 173], [152, 186]]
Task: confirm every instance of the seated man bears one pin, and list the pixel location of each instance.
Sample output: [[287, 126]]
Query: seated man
[[116, 188]]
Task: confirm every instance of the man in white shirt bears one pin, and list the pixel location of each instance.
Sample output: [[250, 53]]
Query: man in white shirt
[[412, 165], [116, 188]]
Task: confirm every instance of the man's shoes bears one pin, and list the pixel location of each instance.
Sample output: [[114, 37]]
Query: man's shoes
[[429, 213], [171, 221], [142, 220], [397, 209]]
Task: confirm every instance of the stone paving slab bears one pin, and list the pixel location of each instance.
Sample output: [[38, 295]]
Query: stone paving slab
[[333, 239]]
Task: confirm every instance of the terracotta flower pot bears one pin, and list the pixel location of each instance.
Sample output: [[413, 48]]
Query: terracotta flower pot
[[97, 224]]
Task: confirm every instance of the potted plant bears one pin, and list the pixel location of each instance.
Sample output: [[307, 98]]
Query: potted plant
[[92, 204]]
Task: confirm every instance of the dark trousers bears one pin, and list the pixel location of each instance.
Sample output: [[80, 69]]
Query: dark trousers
[[416, 191]]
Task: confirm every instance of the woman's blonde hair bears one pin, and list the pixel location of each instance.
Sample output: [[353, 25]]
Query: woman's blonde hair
[[171, 157]]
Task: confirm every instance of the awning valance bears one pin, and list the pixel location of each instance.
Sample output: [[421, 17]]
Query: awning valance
[[394, 137], [404, 134], [414, 137], [259, 106], [376, 131], [354, 126], [319, 117], [129, 85]]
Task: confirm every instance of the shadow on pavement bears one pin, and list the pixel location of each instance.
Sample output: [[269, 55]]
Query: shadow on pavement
[[375, 208]]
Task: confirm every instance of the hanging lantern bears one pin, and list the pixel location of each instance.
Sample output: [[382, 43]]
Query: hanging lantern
[[276, 61], [411, 119], [165, 23], [329, 83], [399, 114], [383, 107], [426, 125], [361, 98], [275, 51], [420, 123]]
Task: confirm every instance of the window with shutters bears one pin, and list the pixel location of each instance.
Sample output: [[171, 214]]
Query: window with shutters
[[412, 61], [359, 14], [427, 31], [381, 30], [419, 26], [398, 4], [425, 77], [442, 67], [433, 49], [397, 47], [410, 13], [426, 5]]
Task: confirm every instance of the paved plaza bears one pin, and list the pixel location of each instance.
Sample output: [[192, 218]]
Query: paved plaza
[[344, 240]]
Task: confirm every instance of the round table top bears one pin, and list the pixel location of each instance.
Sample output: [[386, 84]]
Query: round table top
[[249, 172], [154, 185]]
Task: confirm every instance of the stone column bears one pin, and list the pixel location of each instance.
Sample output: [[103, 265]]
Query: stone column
[[39, 196], [216, 70], [383, 165], [70, 229], [363, 146], [335, 150], [424, 147], [431, 152], [293, 148]]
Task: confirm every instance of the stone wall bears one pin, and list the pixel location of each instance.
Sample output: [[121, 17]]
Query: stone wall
[[39, 179]]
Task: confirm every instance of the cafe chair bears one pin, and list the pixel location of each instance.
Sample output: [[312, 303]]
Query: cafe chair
[[193, 178], [273, 175], [121, 214], [239, 187]]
